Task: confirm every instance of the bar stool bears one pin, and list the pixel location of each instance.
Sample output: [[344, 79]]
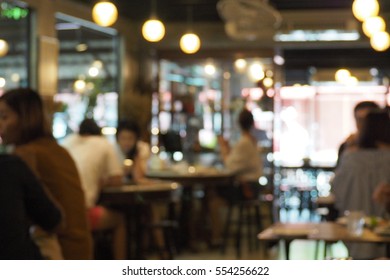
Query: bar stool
[[249, 215]]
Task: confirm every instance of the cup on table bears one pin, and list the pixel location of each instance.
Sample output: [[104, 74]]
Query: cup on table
[[355, 222]]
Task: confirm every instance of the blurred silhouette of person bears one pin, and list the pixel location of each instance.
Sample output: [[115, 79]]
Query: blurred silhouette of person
[[360, 172], [23, 124], [98, 167], [242, 159], [22, 201], [360, 111], [132, 152]]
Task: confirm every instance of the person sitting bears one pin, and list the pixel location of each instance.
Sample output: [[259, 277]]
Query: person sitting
[[360, 111], [133, 153], [22, 201], [360, 172], [243, 160], [98, 167], [23, 125]]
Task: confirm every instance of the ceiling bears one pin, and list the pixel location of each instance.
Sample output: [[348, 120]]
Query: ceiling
[[296, 14], [206, 10]]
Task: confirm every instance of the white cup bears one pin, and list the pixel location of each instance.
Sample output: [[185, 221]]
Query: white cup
[[355, 222]]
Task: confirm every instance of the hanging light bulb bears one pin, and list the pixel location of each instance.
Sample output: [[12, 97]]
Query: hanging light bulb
[[363, 9], [3, 47], [380, 41], [372, 25], [153, 30], [190, 43], [105, 13]]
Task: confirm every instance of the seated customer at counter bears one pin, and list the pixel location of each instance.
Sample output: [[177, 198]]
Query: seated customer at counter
[[98, 167], [244, 160], [360, 172], [22, 202]]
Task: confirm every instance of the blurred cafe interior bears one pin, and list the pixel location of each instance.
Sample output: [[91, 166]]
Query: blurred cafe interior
[[184, 78]]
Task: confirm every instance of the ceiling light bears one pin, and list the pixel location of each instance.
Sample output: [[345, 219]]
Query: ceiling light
[[342, 75], [153, 30], [240, 64], [79, 86], [380, 41], [372, 25], [317, 35], [363, 9], [279, 60], [3, 47], [256, 72], [81, 47], [93, 71], [209, 69], [105, 13], [190, 43]]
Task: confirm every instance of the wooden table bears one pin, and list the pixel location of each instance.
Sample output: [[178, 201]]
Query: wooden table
[[193, 175], [189, 178], [128, 198], [325, 231]]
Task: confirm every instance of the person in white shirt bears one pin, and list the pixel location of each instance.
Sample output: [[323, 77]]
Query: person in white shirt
[[98, 167], [244, 160]]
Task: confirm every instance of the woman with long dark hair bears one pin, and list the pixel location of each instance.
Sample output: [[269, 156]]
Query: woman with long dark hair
[[23, 125]]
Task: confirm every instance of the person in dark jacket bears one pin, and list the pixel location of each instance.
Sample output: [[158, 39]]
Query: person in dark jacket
[[23, 202]]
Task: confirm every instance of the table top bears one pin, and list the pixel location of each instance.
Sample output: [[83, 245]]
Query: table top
[[192, 175], [326, 231], [153, 190], [150, 186]]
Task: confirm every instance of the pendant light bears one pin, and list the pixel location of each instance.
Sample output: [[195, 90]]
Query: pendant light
[[363, 9], [190, 42], [372, 25], [380, 41], [153, 30], [104, 13]]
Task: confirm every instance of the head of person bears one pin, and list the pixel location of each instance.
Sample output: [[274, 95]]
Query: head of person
[[375, 130], [361, 110], [245, 120], [88, 127], [127, 135], [22, 117]]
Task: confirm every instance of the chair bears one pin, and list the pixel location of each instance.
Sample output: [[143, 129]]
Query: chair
[[250, 214]]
